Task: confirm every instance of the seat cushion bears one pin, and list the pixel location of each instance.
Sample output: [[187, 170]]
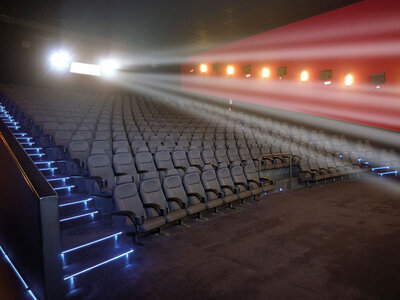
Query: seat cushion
[[257, 191], [230, 198], [175, 215], [151, 224], [245, 194], [214, 203], [194, 209]]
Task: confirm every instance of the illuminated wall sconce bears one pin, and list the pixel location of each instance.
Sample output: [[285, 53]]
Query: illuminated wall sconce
[[230, 70], [265, 73], [304, 76], [349, 80], [203, 68]]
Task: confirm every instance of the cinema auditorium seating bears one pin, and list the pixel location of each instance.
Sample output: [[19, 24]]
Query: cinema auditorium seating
[[154, 162]]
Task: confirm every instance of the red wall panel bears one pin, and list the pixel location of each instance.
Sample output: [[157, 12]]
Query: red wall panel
[[361, 39]]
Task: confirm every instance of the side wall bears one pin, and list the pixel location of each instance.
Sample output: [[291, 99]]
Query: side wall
[[360, 39]]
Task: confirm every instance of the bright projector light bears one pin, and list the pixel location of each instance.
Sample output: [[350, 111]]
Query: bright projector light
[[108, 67], [85, 69], [60, 60]]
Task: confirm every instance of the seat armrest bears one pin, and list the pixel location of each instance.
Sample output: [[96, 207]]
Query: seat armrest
[[229, 187], [200, 197], [102, 183], [267, 179], [247, 187], [120, 174], [255, 181], [137, 220], [306, 171], [197, 166], [267, 158], [181, 203], [78, 163], [219, 194], [160, 211]]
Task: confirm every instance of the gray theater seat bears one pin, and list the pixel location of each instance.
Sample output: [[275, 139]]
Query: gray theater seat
[[227, 186], [151, 193], [145, 163], [130, 211], [136, 144], [123, 163], [176, 194], [100, 169], [221, 157], [79, 150], [194, 158], [233, 155], [240, 181], [63, 138], [163, 161], [258, 186], [209, 157], [211, 187]]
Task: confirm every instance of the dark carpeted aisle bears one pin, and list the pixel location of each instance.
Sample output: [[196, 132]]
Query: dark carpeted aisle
[[335, 241]]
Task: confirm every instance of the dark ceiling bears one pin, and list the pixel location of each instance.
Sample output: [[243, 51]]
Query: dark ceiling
[[167, 27]]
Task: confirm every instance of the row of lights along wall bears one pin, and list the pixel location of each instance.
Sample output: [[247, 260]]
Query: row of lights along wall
[[325, 75]]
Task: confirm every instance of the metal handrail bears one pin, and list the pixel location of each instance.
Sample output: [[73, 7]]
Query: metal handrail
[[262, 157]]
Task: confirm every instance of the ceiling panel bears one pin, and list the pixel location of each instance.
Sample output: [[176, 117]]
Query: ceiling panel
[[165, 26]]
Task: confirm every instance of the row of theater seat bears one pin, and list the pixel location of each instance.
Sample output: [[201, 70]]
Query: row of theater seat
[[279, 138], [175, 197], [144, 142], [321, 168]]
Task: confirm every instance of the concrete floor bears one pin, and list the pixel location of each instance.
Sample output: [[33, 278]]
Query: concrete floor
[[335, 241]]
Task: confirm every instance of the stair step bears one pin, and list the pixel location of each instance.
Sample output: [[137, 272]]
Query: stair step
[[58, 178], [83, 201], [87, 215], [75, 197], [48, 169], [97, 259], [64, 187], [85, 233], [44, 162]]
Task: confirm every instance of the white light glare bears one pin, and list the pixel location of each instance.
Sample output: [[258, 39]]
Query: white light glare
[[304, 76], [108, 67], [86, 69], [327, 82], [60, 60], [349, 79]]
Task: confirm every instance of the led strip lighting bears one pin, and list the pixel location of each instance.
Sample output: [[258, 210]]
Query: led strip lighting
[[98, 265], [80, 216], [17, 273], [115, 235]]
